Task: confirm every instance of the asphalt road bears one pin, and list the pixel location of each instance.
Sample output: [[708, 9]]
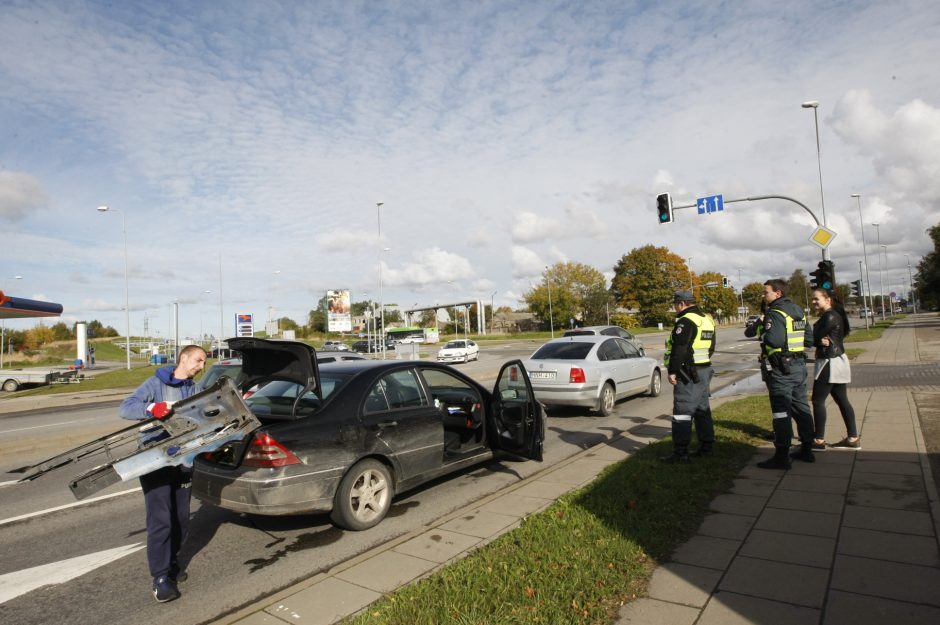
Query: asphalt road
[[87, 562]]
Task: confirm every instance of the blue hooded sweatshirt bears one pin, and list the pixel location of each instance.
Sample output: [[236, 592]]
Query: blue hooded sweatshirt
[[162, 386]]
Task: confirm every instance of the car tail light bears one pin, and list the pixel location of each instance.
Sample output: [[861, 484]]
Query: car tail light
[[265, 452], [576, 376]]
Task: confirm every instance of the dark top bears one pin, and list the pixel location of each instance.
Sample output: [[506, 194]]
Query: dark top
[[829, 324]]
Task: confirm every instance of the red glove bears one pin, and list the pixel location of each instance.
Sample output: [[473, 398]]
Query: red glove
[[160, 410]]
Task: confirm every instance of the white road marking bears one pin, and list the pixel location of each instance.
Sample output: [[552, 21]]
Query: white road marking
[[36, 427], [18, 583], [67, 506]]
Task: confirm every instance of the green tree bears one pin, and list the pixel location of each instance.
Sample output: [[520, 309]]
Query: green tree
[[38, 336], [754, 297], [61, 332], [646, 279], [286, 323], [798, 289], [927, 279], [570, 291], [711, 299]]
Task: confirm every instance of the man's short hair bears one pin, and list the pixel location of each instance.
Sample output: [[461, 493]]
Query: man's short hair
[[190, 349], [777, 284]]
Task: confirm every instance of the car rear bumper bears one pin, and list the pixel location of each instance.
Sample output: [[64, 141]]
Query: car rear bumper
[[253, 493], [561, 396]]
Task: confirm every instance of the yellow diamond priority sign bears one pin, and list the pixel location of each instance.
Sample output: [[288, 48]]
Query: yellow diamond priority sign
[[822, 237]]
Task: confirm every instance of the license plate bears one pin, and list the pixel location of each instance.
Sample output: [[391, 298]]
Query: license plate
[[542, 375]]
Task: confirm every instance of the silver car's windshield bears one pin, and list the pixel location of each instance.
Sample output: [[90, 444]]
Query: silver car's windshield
[[455, 345], [563, 351]]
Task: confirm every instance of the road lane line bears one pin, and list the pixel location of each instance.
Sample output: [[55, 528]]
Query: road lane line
[[36, 427], [67, 506], [18, 583]]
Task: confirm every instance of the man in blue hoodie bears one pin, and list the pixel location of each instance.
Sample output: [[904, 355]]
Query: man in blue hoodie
[[167, 490]]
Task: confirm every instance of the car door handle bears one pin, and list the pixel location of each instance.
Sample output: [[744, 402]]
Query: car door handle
[[386, 424]]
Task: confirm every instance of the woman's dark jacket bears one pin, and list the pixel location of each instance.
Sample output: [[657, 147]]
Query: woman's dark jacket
[[829, 324]]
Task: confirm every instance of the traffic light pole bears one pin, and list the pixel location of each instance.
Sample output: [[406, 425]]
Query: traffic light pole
[[754, 198], [861, 284]]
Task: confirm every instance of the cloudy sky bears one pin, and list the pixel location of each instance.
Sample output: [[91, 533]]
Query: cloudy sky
[[501, 138]]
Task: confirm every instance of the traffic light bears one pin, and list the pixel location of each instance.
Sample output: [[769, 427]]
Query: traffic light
[[664, 207], [825, 275], [856, 287], [725, 282]]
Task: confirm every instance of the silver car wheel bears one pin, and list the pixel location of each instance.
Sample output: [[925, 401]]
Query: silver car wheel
[[364, 496], [656, 384], [607, 400]]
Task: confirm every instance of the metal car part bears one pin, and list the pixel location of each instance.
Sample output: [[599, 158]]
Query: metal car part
[[202, 423]]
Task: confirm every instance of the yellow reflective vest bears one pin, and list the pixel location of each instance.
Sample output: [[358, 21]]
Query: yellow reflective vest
[[795, 330], [702, 343]]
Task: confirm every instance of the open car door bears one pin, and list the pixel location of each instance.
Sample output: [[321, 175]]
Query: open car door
[[201, 423], [518, 418]]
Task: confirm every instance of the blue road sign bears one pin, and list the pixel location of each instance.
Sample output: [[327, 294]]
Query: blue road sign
[[710, 204]]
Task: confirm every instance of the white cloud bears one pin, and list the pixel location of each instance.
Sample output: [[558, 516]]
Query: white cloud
[[526, 263], [20, 194], [430, 266]]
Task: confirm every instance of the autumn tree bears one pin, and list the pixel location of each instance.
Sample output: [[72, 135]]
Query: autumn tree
[[711, 299], [39, 336], [754, 297], [646, 279], [927, 280], [578, 291], [61, 332]]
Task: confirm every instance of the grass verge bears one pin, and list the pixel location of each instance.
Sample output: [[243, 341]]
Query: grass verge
[[593, 550], [874, 332]]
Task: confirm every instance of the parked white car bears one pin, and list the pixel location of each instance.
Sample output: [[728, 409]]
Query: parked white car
[[459, 351]]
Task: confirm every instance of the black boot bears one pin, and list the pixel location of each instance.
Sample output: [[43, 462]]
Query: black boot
[[704, 450], [804, 453], [681, 437], [678, 456], [780, 459]]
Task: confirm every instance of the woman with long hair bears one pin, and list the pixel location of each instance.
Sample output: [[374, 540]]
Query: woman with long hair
[[832, 373]]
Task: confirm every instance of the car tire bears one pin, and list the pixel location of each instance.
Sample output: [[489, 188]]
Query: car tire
[[607, 399], [10, 385], [364, 496], [656, 384]]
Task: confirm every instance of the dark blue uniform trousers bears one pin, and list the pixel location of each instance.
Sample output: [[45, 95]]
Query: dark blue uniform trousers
[[788, 398], [690, 404], [166, 500]]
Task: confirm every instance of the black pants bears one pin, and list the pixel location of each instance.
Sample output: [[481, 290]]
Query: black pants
[[822, 388], [166, 500]]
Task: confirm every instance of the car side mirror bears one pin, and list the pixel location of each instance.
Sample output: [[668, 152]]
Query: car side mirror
[[509, 393]]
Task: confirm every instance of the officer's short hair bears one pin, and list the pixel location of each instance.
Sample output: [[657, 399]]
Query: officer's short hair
[[777, 284]]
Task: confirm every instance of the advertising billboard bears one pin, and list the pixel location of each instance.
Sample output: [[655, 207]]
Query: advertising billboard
[[338, 313], [244, 325]]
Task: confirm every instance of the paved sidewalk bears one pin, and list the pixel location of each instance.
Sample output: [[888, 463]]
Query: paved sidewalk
[[852, 538]]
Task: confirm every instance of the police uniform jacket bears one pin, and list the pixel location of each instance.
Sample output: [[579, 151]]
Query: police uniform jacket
[[774, 337], [683, 334]]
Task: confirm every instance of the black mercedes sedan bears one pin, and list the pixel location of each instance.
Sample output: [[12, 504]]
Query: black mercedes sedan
[[345, 437]]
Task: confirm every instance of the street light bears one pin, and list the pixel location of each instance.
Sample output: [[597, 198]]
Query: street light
[[861, 223], [548, 281], [814, 104], [493, 311], [910, 278], [689, 265], [127, 309], [3, 325], [378, 219], [888, 278], [881, 280]]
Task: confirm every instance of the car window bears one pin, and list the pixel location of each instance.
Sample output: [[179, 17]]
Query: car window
[[610, 350], [609, 332], [398, 389], [454, 345], [578, 333], [512, 386], [629, 350], [218, 370], [563, 351]]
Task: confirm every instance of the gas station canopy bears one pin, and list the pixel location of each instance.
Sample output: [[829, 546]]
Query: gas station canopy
[[20, 308]]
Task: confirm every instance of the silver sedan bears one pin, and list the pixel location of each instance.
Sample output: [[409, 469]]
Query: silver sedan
[[592, 371]]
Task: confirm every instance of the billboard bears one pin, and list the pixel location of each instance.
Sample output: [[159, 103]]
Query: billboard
[[338, 313], [244, 325]]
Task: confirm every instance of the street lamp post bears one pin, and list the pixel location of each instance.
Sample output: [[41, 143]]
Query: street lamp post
[[551, 321], [861, 222], [127, 309], [888, 280], [814, 104], [881, 281], [493, 311], [378, 219], [691, 281], [910, 279], [3, 324], [741, 286]]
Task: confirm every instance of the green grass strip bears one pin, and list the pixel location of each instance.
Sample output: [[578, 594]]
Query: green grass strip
[[593, 549]]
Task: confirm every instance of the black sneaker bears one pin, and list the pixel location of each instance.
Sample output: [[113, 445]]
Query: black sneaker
[[176, 578], [806, 455], [702, 452], [164, 589]]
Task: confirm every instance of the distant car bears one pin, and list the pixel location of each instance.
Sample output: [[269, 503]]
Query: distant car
[[592, 372], [365, 347], [865, 312], [607, 331], [334, 346], [345, 438], [459, 351], [751, 320]]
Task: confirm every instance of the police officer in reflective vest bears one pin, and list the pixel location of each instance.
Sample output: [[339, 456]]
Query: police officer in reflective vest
[[688, 358], [782, 336]]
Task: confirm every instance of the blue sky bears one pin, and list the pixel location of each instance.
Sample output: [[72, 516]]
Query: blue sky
[[501, 137]]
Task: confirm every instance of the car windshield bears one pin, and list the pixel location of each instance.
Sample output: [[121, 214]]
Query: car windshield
[[455, 345], [578, 333], [563, 351], [218, 370]]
